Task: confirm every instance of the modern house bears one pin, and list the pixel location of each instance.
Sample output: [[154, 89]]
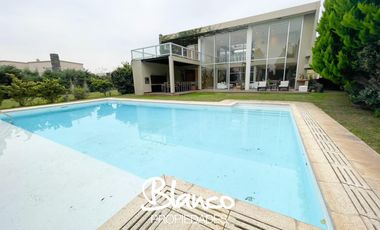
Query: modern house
[[233, 55], [40, 66]]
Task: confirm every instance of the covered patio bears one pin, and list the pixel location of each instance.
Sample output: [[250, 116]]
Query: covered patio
[[166, 68]]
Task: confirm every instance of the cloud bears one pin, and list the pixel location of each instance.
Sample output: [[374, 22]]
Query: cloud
[[101, 33]]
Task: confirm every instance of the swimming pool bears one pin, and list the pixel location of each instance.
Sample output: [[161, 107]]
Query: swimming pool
[[249, 152]]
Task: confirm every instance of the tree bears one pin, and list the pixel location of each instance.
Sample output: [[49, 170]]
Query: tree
[[20, 90], [122, 79], [50, 90], [79, 93], [347, 47], [6, 73], [69, 78], [101, 85]]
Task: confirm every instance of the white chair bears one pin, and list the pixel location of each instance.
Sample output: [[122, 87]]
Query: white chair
[[262, 85], [254, 85], [221, 85], [284, 85]]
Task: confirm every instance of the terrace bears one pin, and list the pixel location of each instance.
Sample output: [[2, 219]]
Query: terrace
[[168, 68], [165, 50]]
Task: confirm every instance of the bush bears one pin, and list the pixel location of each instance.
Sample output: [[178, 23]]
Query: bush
[[314, 86], [50, 90], [377, 113], [101, 85], [79, 93], [20, 90], [122, 79], [1, 96]]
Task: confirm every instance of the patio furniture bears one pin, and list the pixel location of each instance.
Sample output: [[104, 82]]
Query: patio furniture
[[221, 85], [284, 85], [302, 88], [262, 85], [254, 85], [273, 85]]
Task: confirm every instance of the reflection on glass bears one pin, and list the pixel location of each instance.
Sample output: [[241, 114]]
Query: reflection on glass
[[277, 40], [221, 76], [237, 75], [275, 69], [238, 45], [207, 49], [222, 47], [294, 39], [208, 76], [290, 74], [274, 54], [258, 71], [259, 41]]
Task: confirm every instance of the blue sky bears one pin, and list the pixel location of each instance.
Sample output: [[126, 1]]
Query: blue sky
[[101, 33]]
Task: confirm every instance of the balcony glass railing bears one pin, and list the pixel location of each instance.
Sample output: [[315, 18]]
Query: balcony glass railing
[[164, 50]]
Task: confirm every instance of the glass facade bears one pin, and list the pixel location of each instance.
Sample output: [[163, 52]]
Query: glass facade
[[273, 58]]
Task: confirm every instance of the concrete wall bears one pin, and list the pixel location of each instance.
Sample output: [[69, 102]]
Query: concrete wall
[[142, 70], [307, 42]]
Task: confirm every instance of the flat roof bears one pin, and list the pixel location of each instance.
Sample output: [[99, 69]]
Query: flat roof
[[235, 24]]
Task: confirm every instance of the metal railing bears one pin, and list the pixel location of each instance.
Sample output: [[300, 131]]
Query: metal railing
[[165, 50]]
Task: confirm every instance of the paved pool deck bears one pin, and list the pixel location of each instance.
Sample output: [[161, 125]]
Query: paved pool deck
[[347, 171], [45, 185]]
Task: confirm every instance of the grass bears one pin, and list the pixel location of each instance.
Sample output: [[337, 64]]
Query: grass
[[361, 122]]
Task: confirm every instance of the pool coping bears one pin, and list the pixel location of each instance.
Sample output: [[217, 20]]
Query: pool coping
[[346, 169]]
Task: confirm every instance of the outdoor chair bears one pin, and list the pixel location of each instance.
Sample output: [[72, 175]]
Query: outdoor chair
[[262, 85], [284, 85]]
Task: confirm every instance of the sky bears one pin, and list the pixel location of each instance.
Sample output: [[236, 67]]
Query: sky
[[101, 34]]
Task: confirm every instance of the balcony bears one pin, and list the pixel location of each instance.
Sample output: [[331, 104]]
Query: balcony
[[165, 49]]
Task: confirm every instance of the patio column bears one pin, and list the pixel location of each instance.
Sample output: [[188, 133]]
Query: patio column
[[199, 77], [248, 58], [171, 74], [200, 64]]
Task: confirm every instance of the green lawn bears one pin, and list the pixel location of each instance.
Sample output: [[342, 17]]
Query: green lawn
[[360, 122]]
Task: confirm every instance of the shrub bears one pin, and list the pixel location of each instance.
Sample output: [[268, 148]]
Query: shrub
[[79, 93], [50, 90], [314, 86], [377, 113], [1, 96], [20, 90], [101, 85], [122, 79]]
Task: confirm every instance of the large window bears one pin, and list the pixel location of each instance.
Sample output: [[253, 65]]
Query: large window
[[260, 42], [222, 50], [207, 50], [258, 70], [208, 76], [238, 45], [274, 54], [277, 39]]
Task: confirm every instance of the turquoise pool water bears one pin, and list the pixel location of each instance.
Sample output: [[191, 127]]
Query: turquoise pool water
[[252, 153]]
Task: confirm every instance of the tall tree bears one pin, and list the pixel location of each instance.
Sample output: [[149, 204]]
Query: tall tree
[[348, 35], [122, 79]]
